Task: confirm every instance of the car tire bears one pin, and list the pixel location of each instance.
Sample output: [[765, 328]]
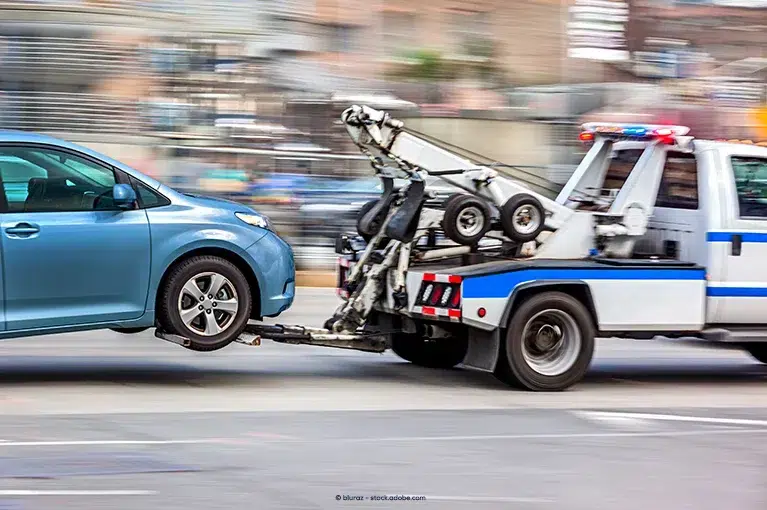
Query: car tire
[[219, 320], [559, 355], [443, 353], [511, 215], [466, 219], [758, 351]]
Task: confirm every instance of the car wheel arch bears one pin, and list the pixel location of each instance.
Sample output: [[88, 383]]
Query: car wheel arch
[[226, 254]]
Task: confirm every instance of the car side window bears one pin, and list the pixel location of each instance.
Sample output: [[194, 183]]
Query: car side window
[[48, 180], [148, 198], [751, 184]]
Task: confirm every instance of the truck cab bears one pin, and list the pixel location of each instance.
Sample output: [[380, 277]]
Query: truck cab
[[710, 210]]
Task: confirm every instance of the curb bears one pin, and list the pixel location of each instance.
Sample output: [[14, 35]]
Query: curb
[[316, 279]]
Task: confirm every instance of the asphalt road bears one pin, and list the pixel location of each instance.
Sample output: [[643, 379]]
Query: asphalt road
[[102, 420]]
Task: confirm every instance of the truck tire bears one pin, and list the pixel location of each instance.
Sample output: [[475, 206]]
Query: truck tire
[[189, 308], [442, 353], [522, 218], [367, 236], [758, 351], [366, 207], [466, 219], [549, 343]]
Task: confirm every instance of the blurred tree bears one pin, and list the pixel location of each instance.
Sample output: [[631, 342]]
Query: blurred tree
[[421, 65], [477, 61]]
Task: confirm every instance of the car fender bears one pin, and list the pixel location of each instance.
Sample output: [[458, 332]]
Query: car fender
[[188, 242]]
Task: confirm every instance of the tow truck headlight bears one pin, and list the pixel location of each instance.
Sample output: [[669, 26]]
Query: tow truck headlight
[[257, 220]]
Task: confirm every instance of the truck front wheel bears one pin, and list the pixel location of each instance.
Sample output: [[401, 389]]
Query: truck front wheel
[[549, 343], [441, 353]]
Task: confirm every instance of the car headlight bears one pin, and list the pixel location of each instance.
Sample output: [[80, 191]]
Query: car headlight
[[257, 220]]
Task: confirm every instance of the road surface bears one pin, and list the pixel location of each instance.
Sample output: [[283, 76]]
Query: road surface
[[109, 421]]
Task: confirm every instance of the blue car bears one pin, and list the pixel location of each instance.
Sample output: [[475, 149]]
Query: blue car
[[89, 243]]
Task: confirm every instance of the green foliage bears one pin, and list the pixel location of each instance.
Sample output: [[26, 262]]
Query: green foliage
[[428, 65]]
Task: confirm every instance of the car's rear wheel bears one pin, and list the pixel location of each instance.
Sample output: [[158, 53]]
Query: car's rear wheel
[[207, 300]]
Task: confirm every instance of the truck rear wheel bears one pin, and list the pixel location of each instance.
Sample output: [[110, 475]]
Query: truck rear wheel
[[549, 343], [442, 353]]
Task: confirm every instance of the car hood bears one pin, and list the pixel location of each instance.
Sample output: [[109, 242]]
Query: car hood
[[219, 203]]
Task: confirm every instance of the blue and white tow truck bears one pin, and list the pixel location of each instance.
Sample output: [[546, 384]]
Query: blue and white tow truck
[[656, 234]]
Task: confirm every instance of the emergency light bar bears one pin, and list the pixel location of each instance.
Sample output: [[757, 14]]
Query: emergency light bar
[[637, 132]]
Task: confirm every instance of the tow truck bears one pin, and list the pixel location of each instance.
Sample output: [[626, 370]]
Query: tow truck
[[656, 234]]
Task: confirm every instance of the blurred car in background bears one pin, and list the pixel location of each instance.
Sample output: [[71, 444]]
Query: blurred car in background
[[225, 181], [328, 206]]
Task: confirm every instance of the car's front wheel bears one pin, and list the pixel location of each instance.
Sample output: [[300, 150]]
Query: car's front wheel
[[207, 300]]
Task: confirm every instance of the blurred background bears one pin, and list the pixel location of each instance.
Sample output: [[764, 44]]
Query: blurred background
[[241, 98]]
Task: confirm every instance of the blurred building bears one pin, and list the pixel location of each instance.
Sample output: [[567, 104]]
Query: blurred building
[[724, 30], [81, 70]]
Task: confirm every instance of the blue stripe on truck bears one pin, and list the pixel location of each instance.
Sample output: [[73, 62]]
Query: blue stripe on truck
[[736, 291], [726, 237], [500, 285]]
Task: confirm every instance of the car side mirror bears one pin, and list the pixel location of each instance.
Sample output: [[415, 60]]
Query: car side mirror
[[124, 196]]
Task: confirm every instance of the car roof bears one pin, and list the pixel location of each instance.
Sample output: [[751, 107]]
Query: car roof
[[30, 137]]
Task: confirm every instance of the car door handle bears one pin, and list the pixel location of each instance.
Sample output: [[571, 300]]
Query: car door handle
[[22, 229]]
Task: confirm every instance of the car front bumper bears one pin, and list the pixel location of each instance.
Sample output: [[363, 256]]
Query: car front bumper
[[272, 261]]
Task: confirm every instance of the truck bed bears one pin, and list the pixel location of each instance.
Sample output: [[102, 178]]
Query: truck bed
[[480, 264]]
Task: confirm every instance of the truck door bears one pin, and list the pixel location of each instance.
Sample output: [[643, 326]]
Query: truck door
[[737, 287]]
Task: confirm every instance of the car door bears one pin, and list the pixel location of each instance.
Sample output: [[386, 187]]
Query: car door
[[70, 256], [737, 288]]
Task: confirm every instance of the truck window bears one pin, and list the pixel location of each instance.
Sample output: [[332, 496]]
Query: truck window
[[751, 184], [621, 163], [679, 184]]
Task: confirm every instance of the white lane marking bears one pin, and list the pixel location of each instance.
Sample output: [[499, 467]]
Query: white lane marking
[[108, 442], [14, 492], [616, 421], [502, 437], [675, 417], [490, 499]]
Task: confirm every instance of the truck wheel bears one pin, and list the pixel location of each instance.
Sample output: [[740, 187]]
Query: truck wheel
[[549, 343], [522, 218], [466, 219], [442, 353], [207, 300], [375, 227], [758, 351]]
